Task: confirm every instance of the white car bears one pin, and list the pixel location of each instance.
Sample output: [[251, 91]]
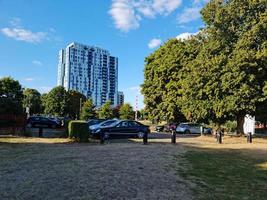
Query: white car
[[194, 128]]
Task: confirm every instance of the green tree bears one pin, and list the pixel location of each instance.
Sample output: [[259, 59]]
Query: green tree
[[161, 75], [56, 102], [32, 100], [11, 96], [126, 111], [105, 111], [241, 27], [88, 110], [43, 102], [76, 99]]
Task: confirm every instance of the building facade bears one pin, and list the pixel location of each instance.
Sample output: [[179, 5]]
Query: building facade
[[120, 98], [89, 70]]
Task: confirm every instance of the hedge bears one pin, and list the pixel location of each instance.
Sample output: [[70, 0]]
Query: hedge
[[78, 130]]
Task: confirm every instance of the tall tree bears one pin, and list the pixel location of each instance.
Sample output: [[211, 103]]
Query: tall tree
[[11, 96], [32, 100], [126, 111], [241, 26], [105, 111], [76, 100], [161, 71], [88, 110], [43, 102], [57, 102]]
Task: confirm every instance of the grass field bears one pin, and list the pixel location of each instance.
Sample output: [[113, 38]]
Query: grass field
[[234, 170], [194, 168]]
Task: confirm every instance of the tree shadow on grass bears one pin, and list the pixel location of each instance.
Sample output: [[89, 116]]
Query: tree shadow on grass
[[225, 173]]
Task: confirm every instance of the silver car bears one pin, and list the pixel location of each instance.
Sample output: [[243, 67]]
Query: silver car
[[194, 128]]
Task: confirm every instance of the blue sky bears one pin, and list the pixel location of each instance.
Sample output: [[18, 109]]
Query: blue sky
[[33, 31]]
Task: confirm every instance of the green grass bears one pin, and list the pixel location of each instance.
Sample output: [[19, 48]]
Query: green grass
[[224, 175]]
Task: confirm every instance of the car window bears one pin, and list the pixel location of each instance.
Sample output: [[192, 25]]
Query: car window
[[44, 119], [133, 123], [123, 124], [108, 123]]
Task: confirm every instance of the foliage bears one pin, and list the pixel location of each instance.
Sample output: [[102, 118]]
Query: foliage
[[56, 102], [116, 112], [78, 130], [88, 110], [76, 99], [11, 96], [43, 102], [105, 111], [32, 99], [218, 75], [143, 114], [161, 74], [126, 111]]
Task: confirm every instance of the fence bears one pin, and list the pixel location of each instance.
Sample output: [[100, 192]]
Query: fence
[[12, 124]]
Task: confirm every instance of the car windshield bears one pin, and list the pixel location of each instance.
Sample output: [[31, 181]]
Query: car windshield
[[106, 123]]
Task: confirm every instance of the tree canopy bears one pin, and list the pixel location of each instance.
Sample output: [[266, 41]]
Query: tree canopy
[[56, 102], [88, 110], [32, 100], [11, 96], [106, 111], [217, 75], [76, 100], [126, 111]]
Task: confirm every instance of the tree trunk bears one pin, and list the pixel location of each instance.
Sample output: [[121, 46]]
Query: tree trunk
[[240, 122]]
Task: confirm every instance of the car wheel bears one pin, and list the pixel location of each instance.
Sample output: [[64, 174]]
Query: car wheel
[[53, 126], [140, 135], [187, 132]]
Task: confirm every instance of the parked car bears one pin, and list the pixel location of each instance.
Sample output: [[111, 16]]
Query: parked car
[[170, 127], [159, 128], [102, 124], [192, 128], [56, 119], [122, 128], [95, 121], [39, 121]]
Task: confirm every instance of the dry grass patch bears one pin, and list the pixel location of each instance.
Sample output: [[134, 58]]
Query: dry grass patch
[[33, 168]]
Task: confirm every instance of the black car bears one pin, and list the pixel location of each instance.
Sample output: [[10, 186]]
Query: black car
[[39, 121], [122, 128], [94, 121]]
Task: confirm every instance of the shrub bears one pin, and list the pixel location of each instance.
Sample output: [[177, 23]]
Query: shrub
[[78, 130], [230, 126]]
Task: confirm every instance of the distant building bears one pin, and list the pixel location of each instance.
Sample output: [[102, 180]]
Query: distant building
[[120, 98], [90, 70]]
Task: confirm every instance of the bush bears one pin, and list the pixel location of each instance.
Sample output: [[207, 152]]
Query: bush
[[230, 126], [78, 130]]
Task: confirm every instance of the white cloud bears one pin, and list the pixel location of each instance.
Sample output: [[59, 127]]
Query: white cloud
[[127, 14], [166, 6], [200, 2], [188, 15], [154, 43], [44, 89], [185, 36], [37, 62], [29, 79], [123, 15], [24, 35], [15, 21]]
